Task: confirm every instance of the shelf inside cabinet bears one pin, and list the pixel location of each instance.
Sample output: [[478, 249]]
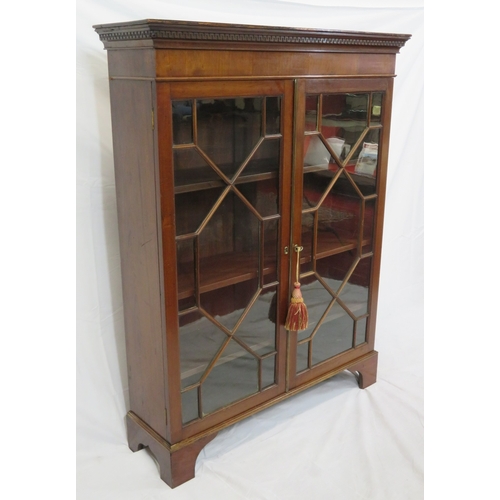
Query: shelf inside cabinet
[[199, 178], [222, 270], [328, 244], [332, 168]]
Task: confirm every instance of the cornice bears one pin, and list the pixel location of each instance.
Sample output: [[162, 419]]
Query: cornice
[[218, 32]]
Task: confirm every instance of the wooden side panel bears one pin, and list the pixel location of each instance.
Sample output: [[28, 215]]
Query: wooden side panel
[[138, 63], [133, 143]]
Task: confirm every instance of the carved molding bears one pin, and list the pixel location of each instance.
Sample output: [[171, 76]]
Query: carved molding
[[110, 33]]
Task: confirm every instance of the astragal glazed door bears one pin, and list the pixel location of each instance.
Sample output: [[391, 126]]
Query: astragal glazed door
[[341, 135], [231, 150]]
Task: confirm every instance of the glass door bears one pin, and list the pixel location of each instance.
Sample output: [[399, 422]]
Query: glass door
[[228, 156], [339, 130]]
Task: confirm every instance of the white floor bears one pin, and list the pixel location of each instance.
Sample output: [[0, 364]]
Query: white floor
[[334, 441]]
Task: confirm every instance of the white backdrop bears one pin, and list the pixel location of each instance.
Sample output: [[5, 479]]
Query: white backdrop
[[332, 442]]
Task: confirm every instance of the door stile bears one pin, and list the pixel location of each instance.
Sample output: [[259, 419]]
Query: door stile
[[284, 258], [295, 215], [166, 179], [379, 217]]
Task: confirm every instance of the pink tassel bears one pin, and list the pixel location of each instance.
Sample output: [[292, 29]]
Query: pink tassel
[[297, 318]]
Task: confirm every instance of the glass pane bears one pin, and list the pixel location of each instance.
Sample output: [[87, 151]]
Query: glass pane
[[307, 243], [265, 160], [334, 336], [270, 250], [234, 376], [317, 299], [228, 130], [191, 170], [263, 195], [354, 294], [336, 269], [338, 216], [273, 115], [191, 209], [311, 112], [229, 244], [182, 115], [302, 356], [316, 184], [360, 331], [376, 108], [226, 305], [268, 367], [185, 271], [368, 225], [344, 117], [189, 405], [363, 164], [315, 152], [199, 341], [258, 329]]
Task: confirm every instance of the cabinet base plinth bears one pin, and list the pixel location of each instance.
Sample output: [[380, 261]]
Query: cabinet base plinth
[[176, 463], [366, 370]]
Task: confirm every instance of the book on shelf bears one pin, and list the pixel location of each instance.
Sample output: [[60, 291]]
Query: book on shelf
[[367, 159]]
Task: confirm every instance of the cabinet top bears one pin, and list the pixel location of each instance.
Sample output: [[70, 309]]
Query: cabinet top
[[155, 32]]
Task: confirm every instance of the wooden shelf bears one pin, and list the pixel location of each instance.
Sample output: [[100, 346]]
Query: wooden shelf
[[200, 178], [328, 244], [221, 271], [332, 169]]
